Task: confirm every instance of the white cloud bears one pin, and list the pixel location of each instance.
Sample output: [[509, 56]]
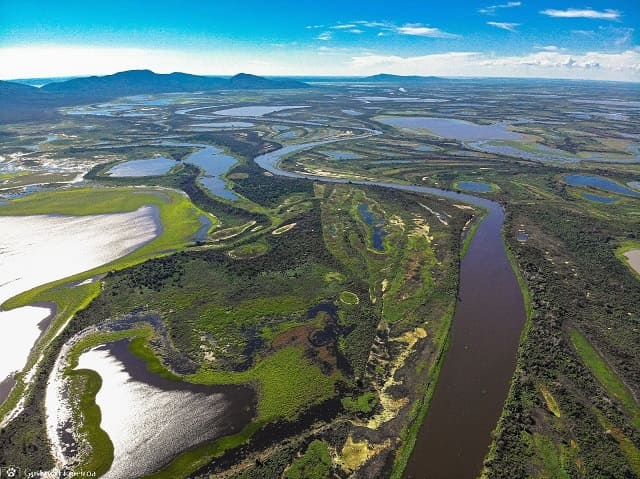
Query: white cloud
[[624, 66], [550, 62], [373, 24], [491, 9], [583, 13], [623, 37], [343, 26], [324, 36], [419, 30], [504, 25]]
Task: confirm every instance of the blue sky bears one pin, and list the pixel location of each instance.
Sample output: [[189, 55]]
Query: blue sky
[[555, 38]]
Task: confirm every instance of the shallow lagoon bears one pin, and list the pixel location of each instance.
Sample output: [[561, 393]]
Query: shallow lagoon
[[214, 164], [340, 155], [474, 186], [452, 128], [222, 124], [600, 183], [135, 168], [378, 232], [599, 199], [38, 249], [255, 111], [150, 419]]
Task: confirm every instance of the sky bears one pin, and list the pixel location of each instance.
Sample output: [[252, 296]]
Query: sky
[[577, 39]]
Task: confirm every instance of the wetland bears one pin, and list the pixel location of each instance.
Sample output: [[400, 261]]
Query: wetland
[[322, 295]]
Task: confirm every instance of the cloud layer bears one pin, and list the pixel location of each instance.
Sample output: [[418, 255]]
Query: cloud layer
[[582, 13]]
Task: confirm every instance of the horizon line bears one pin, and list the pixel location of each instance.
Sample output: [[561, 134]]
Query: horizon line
[[326, 76]]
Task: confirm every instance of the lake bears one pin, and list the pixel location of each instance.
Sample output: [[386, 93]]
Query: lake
[[221, 124], [150, 419], [600, 183], [38, 249], [633, 256], [452, 128], [473, 186], [214, 164], [255, 111], [136, 168]]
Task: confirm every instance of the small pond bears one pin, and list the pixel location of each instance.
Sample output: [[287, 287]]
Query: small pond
[[425, 148], [341, 155], [599, 199], [378, 232], [474, 186]]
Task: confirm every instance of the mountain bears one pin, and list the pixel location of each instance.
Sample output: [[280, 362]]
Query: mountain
[[136, 82], [24, 102], [388, 78], [245, 81]]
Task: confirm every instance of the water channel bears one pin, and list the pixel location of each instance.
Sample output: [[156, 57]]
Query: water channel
[[481, 358]]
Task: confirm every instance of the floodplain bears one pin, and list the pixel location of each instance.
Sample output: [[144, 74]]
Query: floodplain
[[319, 292]]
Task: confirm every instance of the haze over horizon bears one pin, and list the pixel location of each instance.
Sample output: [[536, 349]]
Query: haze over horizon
[[546, 39]]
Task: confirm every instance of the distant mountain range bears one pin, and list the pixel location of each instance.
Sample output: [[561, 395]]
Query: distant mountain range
[[19, 101], [23, 102]]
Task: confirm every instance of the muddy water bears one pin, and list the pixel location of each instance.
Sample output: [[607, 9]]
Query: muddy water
[[478, 366], [480, 362]]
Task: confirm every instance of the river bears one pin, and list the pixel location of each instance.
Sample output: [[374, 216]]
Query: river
[[478, 366]]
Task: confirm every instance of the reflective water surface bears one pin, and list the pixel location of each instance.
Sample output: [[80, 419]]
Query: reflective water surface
[[38, 249], [150, 419]]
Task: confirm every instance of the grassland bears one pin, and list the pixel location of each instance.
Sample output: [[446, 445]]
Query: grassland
[[179, 218]]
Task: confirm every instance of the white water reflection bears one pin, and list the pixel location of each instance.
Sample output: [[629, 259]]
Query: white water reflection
[[148, 425], [38, 249], [255, 111]]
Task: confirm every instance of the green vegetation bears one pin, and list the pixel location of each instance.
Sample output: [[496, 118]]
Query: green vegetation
[[249, 250], [315, 463], [287, 383], [605, 375], [631, 451], [347, 297], [363, 404], [316, 308], [551, 457]]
